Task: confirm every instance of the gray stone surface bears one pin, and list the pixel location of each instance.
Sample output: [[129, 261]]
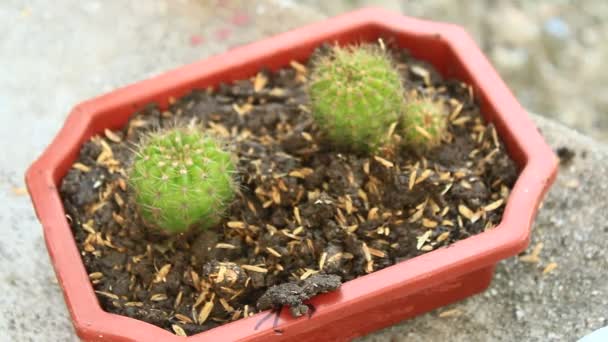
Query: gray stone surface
[[55, 54]]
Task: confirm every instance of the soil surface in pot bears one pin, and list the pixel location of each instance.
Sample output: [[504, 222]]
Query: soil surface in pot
[[303, 209]]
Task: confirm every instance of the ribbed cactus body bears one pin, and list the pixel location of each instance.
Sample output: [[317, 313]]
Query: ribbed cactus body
[[356, 94], [182, 178], [423, 124]]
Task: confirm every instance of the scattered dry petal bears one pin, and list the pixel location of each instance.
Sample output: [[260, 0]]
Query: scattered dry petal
[[422, 239], [273, 252], [443, 236], [429, 223], [243, 109], [158, 297], [205, 311], [550, 268], [366, 253], [301, 173], [384, 162], [95, 275], [162, 274], [236, 224], [451, 313], [178, 330], [298, 67], [81, 167], [533, 257], [322, 260], [223, 245], [259, 82], [19, 191], [468, 213], [254, 268], [308, 273], [376, 252], [184, 318], [494, 205], [412, 180], [417, 215], [107, 294], [112, 136]]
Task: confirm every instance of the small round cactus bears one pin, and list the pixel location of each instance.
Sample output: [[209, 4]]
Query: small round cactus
[[423, 124], [182, 178], [356, 94]]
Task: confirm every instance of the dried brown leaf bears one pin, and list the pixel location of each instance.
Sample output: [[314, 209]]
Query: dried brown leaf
[[366, 253], [81, 167], [376, 252], [179, 331], [184, 318], [273, 252], [451, 313], [236, 225], [322, 260], [427, 223], [158, 297], [112, 136], [422, 239], [298, 67], [95, 275], [205, 312], [494, 205], [107, 294], [443, 236], [223, 245], [550, 268], [253, 268], [259, 82], [308, 273], [384, 162], [161, 275], [301, 173]]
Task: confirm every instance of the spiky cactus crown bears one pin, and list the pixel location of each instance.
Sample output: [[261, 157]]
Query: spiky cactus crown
[[424, 123], [356, 94], [182, 178]]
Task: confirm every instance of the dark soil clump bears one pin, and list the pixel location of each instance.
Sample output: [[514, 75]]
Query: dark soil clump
[[294, 294], [305, 214], [565, 155]]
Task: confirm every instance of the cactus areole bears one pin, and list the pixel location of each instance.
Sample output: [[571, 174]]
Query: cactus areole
[[182, 179], [356, 95]]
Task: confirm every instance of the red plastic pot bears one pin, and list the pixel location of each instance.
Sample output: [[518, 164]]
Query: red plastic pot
[[362, 305]]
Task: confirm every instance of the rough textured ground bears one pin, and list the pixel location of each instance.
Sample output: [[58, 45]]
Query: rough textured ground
[[56, 54]]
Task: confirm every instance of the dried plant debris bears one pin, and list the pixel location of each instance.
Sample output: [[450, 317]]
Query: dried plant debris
[[565, 155], [303, 210]]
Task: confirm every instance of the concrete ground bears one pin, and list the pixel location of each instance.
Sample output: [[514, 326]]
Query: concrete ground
[[55, 54]]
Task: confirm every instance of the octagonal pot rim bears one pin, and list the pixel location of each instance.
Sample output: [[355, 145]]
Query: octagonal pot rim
[[511, 236]]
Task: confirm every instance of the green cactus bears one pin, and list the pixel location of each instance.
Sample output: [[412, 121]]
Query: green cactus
[[423, 124], [356, 94], [182, 178]]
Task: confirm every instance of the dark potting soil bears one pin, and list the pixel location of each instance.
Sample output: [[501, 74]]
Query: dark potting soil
[[304, 210]]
